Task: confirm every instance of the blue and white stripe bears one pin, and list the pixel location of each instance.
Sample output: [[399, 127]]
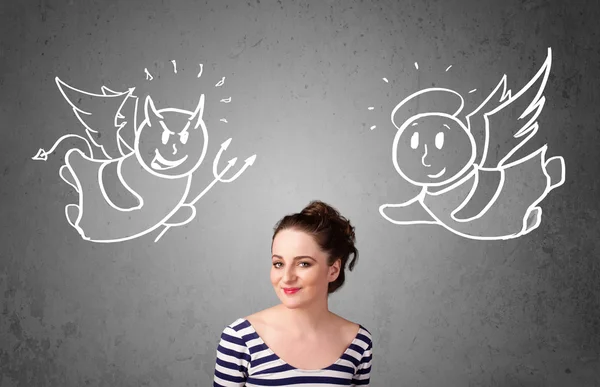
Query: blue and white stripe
[[244, 360]]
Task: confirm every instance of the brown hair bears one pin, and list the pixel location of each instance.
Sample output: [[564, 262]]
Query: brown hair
[[333, 233]]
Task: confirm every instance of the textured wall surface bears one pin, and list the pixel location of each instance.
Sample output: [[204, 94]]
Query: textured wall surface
[[443, 310]]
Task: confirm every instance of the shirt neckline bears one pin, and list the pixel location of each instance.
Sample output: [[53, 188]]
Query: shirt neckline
[[283, 362]]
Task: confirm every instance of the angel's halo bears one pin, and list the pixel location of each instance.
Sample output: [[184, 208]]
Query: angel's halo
[[431, 100]]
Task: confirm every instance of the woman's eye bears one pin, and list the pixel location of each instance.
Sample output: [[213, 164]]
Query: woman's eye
[[305, 263], [276, 263]]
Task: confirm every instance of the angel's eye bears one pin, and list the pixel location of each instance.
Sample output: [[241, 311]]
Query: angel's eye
[[414, 140], [439, 140], [165, 136], [184, 137]]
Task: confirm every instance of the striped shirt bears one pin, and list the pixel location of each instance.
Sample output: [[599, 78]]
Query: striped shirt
[[243, 359]]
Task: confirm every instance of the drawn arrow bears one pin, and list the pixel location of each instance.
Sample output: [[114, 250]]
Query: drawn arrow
[[248, 162], [230, 164], [224, 147]]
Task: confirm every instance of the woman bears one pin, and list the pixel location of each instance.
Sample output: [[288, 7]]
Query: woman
[[300, 341]]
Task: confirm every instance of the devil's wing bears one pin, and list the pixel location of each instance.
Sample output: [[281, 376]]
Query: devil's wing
[[509, 122], [108, 118]]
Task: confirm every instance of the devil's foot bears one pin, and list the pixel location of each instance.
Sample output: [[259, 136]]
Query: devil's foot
[[67, 175], [73, 212], [532, 219]]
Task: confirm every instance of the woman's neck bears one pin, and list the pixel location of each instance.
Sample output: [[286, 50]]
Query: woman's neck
[[305, 321]]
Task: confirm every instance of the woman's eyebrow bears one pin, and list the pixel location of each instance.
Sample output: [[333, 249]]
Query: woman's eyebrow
[[296, 257]]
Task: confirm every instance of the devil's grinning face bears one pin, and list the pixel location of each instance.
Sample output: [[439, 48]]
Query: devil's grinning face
[[171, 142], [432, 149]]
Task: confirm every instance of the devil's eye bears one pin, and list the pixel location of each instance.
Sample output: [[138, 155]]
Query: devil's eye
[[439, 140], [414, 140], [165, 136], [184, 137]]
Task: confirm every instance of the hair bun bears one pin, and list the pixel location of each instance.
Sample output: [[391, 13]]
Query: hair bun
[[317, 208], [329, 215]]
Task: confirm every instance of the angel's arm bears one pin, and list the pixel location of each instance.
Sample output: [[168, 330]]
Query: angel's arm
[[408, 212], [487, 186]]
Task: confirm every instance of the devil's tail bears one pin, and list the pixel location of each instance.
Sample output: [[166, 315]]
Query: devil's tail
[[43, 154]]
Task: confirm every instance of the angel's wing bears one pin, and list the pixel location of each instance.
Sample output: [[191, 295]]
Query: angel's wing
[[108, 118], [512, 120]]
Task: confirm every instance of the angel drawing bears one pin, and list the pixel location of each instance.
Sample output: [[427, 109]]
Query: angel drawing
[[133, 178], [478, 176]]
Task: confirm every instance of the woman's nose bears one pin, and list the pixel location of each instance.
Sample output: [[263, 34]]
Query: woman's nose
[[289, 274]]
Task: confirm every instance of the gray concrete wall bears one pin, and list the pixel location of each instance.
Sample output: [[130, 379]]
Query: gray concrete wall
[[443, 309]]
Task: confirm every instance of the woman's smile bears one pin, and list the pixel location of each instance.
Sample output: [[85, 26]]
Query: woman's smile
[[291, 290]]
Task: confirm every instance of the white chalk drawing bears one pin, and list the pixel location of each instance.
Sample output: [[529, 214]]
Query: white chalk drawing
[[453, 181], [148, 75], [133, 179]]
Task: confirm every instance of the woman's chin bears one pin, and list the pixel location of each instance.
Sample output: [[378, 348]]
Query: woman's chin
[[286, 300], [290, 305]]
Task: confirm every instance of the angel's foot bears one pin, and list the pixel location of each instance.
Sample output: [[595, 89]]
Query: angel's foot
[[555, 168]]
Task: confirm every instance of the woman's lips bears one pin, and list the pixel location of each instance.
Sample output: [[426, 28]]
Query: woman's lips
[[290, 290]]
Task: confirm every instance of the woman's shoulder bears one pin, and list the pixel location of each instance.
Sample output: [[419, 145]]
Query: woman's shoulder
[[236, 327], [248, 322], [351, 325], [353, 329], [262, 317], [359, 337], [364, 337]]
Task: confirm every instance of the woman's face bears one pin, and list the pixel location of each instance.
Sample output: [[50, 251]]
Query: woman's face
[[299, 265]]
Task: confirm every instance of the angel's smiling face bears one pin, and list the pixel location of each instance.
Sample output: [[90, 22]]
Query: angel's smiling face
[[171, 143], [432, 149]]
